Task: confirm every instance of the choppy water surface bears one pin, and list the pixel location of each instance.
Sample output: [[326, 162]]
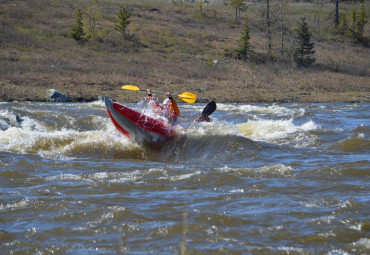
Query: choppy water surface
[[260, 179]]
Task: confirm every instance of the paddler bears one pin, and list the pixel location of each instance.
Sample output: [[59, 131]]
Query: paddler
[[169, 108], [203, 118], [208, 110]]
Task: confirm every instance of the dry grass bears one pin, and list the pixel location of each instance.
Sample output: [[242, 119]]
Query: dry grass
[[171, 48]]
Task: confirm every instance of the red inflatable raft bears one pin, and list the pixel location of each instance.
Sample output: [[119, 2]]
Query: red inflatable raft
[[137, 126]]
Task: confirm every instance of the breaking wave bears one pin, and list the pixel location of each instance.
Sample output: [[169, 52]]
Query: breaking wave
[[279, 132], [355, 143], [273, 110]]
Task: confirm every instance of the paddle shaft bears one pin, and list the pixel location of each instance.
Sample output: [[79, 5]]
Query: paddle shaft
[[156, 92], [185, 96]]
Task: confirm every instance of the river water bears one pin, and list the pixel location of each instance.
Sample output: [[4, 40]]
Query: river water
[[259, 179]]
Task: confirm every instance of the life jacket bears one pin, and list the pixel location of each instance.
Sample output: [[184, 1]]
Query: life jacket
[[173, 111]]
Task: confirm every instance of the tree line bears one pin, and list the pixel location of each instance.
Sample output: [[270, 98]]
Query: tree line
[[302, 51]]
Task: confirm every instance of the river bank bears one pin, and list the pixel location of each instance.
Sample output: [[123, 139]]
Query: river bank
[[13, 93]]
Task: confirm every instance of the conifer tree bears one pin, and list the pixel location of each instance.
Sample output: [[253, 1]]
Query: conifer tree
[[361, 20], [123, 21], [77, 31], [200, 6], [352, 29], [244, 47], [358, 22], [304, 50], [343, 25]]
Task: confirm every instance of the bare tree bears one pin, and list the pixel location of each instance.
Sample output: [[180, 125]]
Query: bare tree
[[269, 38], [238, 5], [336, 13], [282, 5], [91, 15]]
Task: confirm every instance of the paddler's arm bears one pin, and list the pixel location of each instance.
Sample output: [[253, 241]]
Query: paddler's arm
[[152, 102], [149, 91]]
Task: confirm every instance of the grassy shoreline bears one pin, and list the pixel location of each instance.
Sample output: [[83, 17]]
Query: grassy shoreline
[[172, 48]]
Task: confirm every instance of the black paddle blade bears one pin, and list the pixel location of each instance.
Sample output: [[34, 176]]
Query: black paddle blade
[[209, 109]]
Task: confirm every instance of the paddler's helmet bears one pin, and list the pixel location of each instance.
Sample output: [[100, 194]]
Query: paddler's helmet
[[166, 101]]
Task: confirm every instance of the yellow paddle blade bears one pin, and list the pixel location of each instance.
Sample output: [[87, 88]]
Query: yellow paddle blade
[[188, 97], [130, 87]]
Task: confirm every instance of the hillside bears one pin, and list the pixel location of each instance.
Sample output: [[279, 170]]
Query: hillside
[[174, 47]]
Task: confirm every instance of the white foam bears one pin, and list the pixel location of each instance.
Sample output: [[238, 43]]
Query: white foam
[[192, 107], [184, 176], [122, 177], [346, 204], [277, 169], [32, 136], [274, 109], [7, 114], [211, 128], [311, 205], [271, 129], [7, 119], [19, 204], [4, 124], [99, 120], [323, 220], [338, 252], [275, 130], [98, 177], [363, 243], [98, 104], [328, 234], [354, 226], [117, 208], [237, 191], [132, 176], [30, 125], [71, 177], [289, 250]]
